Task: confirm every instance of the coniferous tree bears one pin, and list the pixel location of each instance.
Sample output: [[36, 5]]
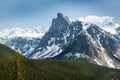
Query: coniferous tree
[[18, 72]]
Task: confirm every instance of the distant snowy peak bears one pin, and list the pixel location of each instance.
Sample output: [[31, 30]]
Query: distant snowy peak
[[105, 22], [22, 32], [110, 27], [25, 39]]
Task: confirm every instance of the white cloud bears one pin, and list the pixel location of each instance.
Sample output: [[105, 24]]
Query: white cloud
[[95, 19]]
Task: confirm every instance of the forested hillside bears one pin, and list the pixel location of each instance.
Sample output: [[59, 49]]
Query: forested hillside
[[16, 67]]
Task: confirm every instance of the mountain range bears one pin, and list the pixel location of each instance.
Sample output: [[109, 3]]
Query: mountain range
[[67, 39], [25, 39]]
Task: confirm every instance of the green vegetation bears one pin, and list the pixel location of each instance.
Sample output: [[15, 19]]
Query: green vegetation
[[6, 62], [16, 67], [18, 71], [19, 68]]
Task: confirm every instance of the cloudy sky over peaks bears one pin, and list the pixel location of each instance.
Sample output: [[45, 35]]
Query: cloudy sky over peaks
[[35, 13]]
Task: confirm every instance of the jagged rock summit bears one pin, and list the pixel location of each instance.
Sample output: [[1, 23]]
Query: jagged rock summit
[[67, 39]]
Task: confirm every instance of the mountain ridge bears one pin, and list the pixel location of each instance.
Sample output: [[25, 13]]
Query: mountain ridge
[[22, 32], [63, 33], [25, 39]]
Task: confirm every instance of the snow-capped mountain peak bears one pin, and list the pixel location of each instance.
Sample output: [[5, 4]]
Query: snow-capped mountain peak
[[25, 39], [22, 32], [68, 39]]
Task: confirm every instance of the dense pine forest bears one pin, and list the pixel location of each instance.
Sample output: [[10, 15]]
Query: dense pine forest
[[13, 66]]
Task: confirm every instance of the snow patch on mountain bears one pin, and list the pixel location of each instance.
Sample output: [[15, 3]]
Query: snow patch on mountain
[[85, 25], [97, 62], [98, 41], [109, 61], [116, 56], [48, 52]]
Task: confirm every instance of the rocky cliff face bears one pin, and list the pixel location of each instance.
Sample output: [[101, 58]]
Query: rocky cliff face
[[71, 40], [61, 33]]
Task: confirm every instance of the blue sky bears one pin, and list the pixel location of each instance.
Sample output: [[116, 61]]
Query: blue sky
[[35, 13]]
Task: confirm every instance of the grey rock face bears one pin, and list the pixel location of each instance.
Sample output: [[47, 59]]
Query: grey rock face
[[71, 40]]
